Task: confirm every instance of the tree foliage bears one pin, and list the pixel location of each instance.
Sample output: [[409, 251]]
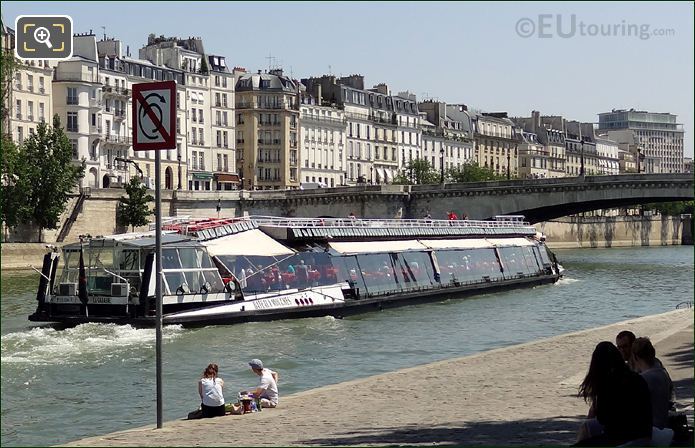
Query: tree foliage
[[671, 208], [472, 172], [8, 65], [417, 171], [38, 176], [134, 210], [15, 186]]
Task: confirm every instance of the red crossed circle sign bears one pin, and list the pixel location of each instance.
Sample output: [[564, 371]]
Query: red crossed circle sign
[[154, 116]]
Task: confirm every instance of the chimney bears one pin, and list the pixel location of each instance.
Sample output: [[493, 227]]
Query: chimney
[[382, 88], [535, 120], [318, 94]]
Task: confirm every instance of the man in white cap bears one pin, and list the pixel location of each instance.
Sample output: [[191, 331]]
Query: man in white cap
[[267, 387]]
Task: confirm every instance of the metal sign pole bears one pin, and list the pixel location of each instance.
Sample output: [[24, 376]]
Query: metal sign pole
[[158, 284], [154, 129]]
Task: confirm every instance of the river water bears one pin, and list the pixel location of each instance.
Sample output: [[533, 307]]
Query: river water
[[61, 385]]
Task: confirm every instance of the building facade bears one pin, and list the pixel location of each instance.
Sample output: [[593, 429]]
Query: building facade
[[496, 143], [550, 133], [322, 133], [447, 138], [267, 130], [209, 109], [656, 136], [533, 157], [28, 96], [607, 154]]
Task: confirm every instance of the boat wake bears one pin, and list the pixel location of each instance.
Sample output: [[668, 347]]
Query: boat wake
[[564, 281], [90, 343]]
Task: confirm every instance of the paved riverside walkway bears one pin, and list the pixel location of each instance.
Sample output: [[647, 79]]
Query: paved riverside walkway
[[518, 395]]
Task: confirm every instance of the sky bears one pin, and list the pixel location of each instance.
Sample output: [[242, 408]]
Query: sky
[[561, 58]]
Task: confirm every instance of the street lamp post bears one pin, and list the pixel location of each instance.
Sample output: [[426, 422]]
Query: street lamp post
[[371, 175], [134, 163], [509, 161], [241, 173], [441, 165], [178, 158], [581, 166]]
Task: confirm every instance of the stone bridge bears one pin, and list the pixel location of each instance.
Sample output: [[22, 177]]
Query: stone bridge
[[537, 199]]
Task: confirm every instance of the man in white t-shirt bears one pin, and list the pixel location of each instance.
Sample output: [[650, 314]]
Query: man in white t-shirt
[[267, 387]]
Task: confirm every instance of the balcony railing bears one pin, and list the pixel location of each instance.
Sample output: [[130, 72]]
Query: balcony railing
[[117, 139], [30, 87], [30, 117], [119, 114], [72, 100], [18, 86], [18, 115], [121, 91], [42, 90]]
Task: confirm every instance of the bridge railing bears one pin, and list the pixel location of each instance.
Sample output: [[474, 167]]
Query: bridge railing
[[274, 221]]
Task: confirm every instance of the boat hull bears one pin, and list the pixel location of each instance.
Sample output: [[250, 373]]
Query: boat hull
[[338, 309]]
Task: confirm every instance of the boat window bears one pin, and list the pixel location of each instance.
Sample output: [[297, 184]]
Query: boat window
[[170, 259], [380, 273], [96, 260], [545, 258], [174, 280], [129, 260], [470, 265], [187, 269], [195, 280], [416, 268], [189, 260], [532, 262], [348, 270], [514, 262], [213, 277]]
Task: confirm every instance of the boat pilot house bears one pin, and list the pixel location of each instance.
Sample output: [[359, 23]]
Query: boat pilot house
[[221, 271]]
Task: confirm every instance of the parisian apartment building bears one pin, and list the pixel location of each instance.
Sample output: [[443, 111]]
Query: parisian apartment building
[[267, 130], [322, 140], [447, 134]]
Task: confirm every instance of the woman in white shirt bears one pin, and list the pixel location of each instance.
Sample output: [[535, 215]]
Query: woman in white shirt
[[210, 391]]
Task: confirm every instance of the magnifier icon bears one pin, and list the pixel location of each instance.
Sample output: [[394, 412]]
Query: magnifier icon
[[43, 36]]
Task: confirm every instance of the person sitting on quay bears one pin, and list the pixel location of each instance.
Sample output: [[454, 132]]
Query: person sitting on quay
[[657, 378], [621, 408], [624, 341], [210, 391], [267, 388]]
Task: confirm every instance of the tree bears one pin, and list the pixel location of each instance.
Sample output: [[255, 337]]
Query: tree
[[134, 210], [417, 171], [15, 187], [8, 64], [204, 66], [671, 208], [472, 172], [47, 175]]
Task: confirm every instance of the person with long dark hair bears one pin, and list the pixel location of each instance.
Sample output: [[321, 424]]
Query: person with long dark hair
[[210, 391], [620, 401]]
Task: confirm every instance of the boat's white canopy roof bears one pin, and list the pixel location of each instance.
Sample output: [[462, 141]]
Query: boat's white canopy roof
[[250, 243], [473, 243], [502, 242], [368, 247]]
